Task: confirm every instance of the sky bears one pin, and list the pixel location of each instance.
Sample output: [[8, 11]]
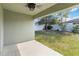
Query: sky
[[74, 13]]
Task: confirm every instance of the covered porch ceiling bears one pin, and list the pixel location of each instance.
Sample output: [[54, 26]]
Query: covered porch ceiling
[[46, 8], [55, 8]]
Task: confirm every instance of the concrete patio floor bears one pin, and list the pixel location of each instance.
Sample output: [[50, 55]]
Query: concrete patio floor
[[30, 48]]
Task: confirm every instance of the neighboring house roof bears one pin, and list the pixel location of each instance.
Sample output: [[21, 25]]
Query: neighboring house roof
[[73, 21]]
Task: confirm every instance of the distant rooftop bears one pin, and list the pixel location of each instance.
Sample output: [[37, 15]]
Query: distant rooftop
[[76, 20]]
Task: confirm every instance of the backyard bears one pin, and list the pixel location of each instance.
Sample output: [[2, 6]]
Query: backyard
[[66, 44]]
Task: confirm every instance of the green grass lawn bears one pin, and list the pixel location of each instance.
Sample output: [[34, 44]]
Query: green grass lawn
[[67, 45]]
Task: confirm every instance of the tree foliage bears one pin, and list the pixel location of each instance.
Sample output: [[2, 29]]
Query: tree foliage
[[76, 28], [54, 19]]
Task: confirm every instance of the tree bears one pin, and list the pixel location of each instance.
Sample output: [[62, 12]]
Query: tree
[[76, 28], [65, 15], [53, 19], [62, 26], [48, 21], [43, 21]]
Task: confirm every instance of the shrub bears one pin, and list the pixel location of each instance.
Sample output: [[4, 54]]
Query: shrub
[[49, 27], [76, 28]]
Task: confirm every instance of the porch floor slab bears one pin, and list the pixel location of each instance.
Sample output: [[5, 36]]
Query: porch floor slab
[[34, 48]]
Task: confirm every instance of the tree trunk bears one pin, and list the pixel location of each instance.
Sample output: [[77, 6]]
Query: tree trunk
[[45, 27]]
